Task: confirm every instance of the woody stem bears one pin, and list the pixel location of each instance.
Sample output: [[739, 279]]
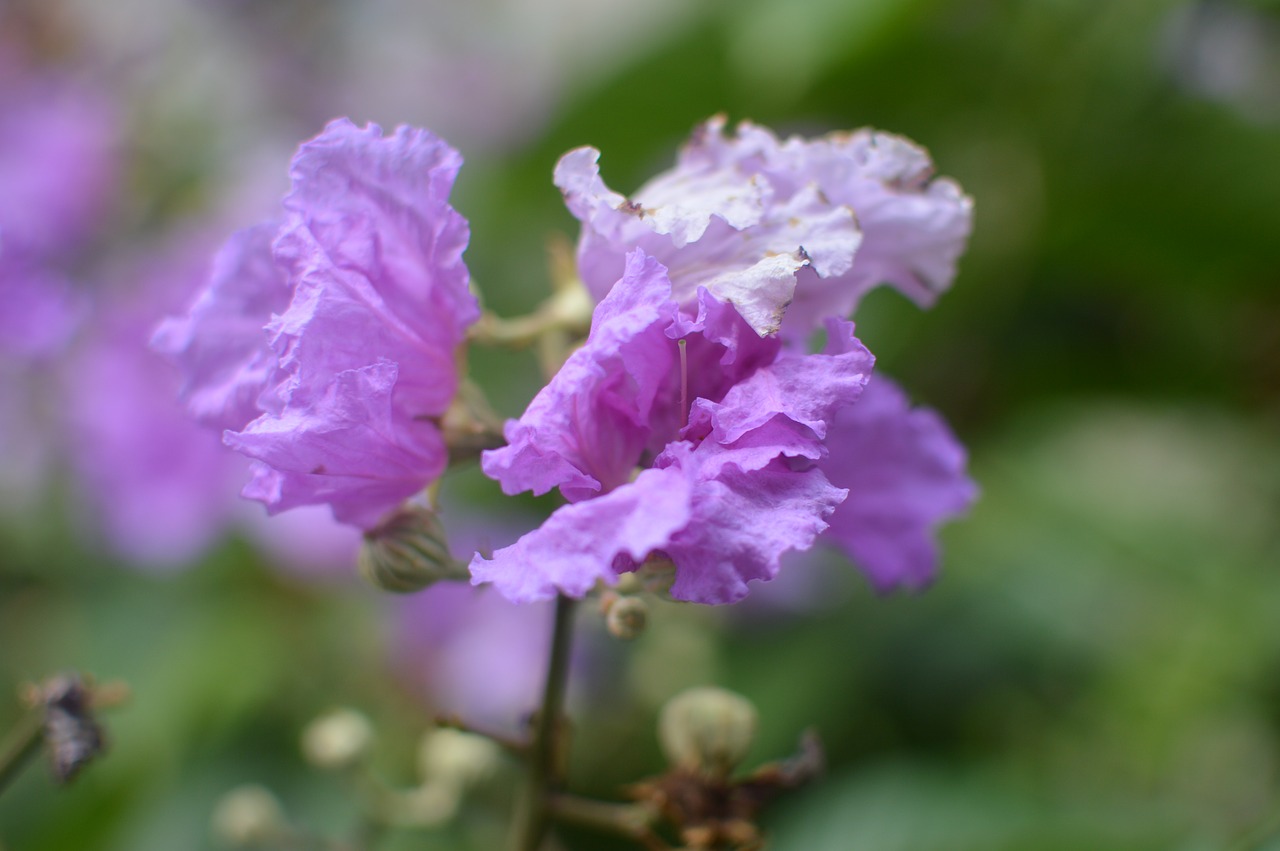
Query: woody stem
[[546, 751]]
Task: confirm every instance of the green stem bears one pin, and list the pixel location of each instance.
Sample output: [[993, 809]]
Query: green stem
[[23, 743], [545, 751]]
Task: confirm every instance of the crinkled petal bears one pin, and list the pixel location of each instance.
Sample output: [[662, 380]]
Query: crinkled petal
[[577, 545], [806, 389], [585, 431], [789, 232], [715, 223], [905, 472], [745, 517], [914, 226], [221, 344], [376, 251], [346, 449]]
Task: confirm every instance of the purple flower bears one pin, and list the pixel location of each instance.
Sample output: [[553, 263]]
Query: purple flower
[[796, 228], [905, 472], [58, 163], [725, 424], [470, 652], [364, 298], [41, 311], [158, 488]]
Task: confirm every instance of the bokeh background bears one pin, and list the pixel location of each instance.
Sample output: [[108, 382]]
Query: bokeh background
[[1098, 665]]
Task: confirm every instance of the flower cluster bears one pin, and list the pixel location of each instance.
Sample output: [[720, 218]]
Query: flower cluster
[[697, 376], [693, 430]]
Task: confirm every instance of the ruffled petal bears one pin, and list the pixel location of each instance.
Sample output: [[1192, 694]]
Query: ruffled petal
[[905, 472], [585, 431], [375, 250], [744, 519], [788, 232], [715, 223], [805, 389], [221, 345], [578, 544], [346, 449]]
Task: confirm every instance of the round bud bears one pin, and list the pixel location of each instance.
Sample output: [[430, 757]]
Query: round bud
[[337, 740], [456, 758], [408, 552], [248, 815], [707, 730], [627, 617]]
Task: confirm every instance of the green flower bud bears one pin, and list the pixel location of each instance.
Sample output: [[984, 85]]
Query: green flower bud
[[408, 552], [707, 730], [338, 740]]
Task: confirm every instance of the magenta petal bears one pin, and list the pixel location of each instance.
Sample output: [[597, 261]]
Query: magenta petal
[[344, 449], [577, 545], [905, 472]]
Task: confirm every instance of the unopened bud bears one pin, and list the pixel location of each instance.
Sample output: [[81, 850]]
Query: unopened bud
[[337, 740], [626, 617], [456, 758], [408, 552], [707, 730], [249, 815]]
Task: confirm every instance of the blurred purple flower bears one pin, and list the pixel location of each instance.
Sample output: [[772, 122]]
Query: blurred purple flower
[[41, 310], [364, 298], [798, 227], [158, 487], [728, 428], [470, 652], [58, 163]]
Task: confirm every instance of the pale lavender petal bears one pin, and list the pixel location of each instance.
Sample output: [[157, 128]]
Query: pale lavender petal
[[789, 232], [345, 449], [576, 547], [585, 431], [914, 226], [715, 222], [221, 344], [905, 472]]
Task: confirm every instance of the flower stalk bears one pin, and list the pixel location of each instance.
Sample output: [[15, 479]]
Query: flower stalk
[[546, 751]]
